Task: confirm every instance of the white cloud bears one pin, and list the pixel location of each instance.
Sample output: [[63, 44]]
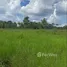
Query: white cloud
[[53, 18], [53, 10], [60, 10], [3, 3], [37, 8], [62, 7], [9, 9], [13, 6]]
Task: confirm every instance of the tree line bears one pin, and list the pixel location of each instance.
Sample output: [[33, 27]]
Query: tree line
[[27, 24]]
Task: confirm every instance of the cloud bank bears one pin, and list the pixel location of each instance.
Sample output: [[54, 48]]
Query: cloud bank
[[55, 11]]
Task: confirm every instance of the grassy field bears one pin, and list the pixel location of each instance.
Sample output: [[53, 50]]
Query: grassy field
[[33, 48]]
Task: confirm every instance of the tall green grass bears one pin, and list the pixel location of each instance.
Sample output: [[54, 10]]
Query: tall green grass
[[19, 48]]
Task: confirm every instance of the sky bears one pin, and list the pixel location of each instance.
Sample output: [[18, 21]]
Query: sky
[[54, 11]]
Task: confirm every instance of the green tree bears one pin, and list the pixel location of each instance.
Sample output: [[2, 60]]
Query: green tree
[[65, 27], [44, 23], [26, 22]]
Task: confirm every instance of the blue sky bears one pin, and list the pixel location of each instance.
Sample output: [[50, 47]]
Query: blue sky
[[15, 10], [24, 2]]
